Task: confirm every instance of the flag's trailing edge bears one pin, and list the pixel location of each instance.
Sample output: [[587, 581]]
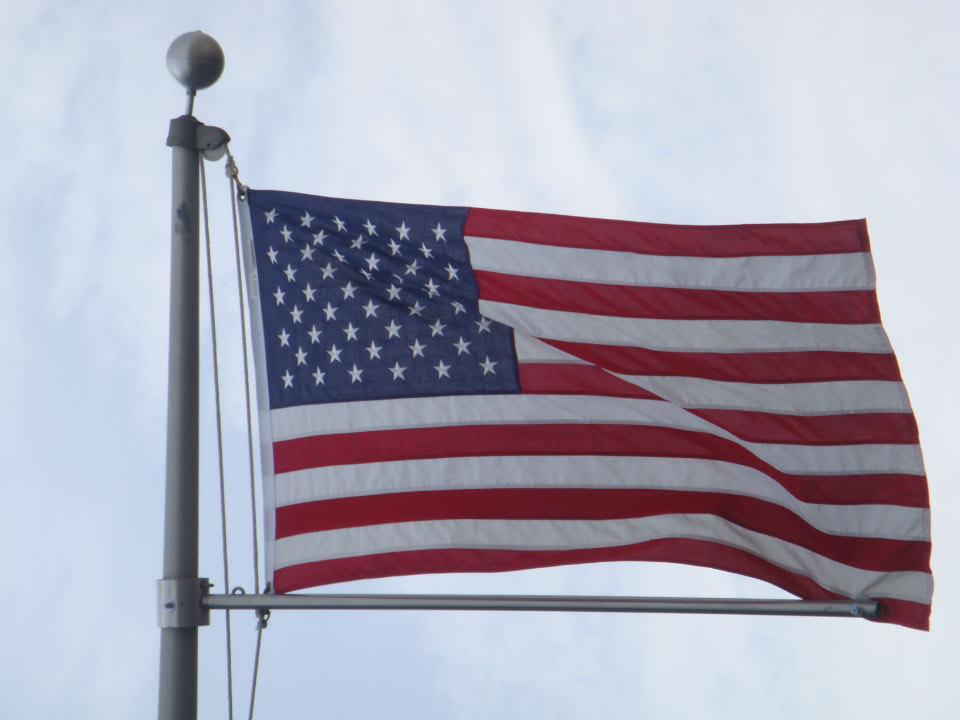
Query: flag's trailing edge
[[448, 389]]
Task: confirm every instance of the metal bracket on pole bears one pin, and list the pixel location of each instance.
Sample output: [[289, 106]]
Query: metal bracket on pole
[[180, 603], [183, 132]]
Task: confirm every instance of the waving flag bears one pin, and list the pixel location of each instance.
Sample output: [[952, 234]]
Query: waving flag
[[449, 389]]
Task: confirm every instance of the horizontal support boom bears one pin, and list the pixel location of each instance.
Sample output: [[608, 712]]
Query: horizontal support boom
[[567, 603]]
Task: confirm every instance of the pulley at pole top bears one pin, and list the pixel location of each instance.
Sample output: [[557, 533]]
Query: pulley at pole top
[[196, 61]]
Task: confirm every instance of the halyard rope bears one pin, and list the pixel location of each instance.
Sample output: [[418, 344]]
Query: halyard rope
[[234, 177], [236, 190], [216, 391]]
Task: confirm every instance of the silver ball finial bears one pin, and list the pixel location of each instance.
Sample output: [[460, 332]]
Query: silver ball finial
[[195, 60]]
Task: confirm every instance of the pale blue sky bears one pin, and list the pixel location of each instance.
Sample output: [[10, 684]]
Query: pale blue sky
[[684, 112]]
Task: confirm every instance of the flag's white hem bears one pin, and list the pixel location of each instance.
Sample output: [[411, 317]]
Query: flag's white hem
[[263, 392]]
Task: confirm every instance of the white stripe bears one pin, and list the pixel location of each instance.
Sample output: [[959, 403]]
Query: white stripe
[[451, 411], [839, 459], [568, 535], [530, 349], [813, 398], [689, 335], [561, 471], [783, 273]]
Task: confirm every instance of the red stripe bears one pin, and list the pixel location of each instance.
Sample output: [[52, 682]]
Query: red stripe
[[850, 429], [853, 306], [584, 439], [687, 552], [677, 240], [775, 367], [562, 504], [575, 379]]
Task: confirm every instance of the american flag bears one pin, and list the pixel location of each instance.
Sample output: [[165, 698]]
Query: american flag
[[449, 389]]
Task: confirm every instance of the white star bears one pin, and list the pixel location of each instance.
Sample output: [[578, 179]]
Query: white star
[[437, 328], [373, 262], [306, 253], [350, 331], [394, 292], [374, 350], [412, 268], [367, 275], [483, 324], [330, 311], [334, 353], [339, 256], [417, 348], [341, 225], [393, 330], [309, 292], [296, 313], [487, 366], [271, 216], [427, 252], [314, 335], [452, 272], [287, 379], [462, 346], [397, 371], [287, 234], [442, 370], [279, 295], [306, 219], [318, 377], [355, 374], [431, 287], [371, 228], [416, 309], [357, 242], [458, 308], [348, 290], [301, 356], [272, 254], [438, 232], [284, 337], [370, 308], [394, 247], [290, 273], [318, 237], [397, 278], [403, 230], [327, 271]]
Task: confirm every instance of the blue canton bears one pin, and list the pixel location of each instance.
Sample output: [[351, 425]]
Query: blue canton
[[368, 300]]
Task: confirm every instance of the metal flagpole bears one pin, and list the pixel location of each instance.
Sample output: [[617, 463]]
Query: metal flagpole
[[196, 61]]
